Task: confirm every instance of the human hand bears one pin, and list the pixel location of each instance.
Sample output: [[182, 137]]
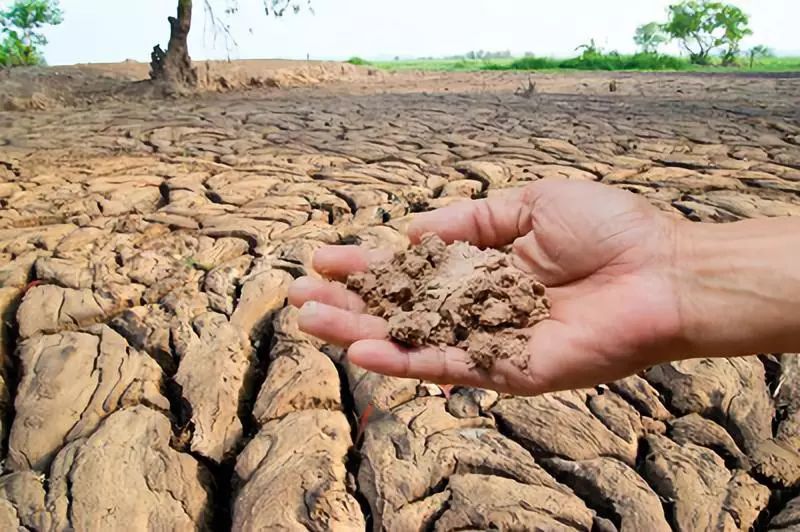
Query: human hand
[[606, 255]]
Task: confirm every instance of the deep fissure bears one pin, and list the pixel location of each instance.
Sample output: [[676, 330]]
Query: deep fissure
[[353, 458]]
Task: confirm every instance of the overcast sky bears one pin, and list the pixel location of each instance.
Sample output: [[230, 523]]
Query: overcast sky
[[115, 30]]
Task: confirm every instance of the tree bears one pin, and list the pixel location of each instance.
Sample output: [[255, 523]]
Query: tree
[[649, 37], [758, 51], [175, 66], [703, 26], [20, 25]]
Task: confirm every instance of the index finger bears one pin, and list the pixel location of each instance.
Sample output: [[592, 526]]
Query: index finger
[[445, 365], [492, 222], [337, 262]]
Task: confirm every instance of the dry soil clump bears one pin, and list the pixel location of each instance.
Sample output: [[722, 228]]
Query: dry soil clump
[[455, 295]]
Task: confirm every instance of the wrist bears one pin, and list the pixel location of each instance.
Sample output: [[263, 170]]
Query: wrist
[[693, 242], [737, 287]]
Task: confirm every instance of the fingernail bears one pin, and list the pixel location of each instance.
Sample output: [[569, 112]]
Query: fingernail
[[309, 309]]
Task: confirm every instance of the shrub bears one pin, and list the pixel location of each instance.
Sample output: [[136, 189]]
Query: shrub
[[534, 63], [358, 61], [614, 61]]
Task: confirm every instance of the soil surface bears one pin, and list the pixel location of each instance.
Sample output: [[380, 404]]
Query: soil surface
[[457, 295], [154, 378]]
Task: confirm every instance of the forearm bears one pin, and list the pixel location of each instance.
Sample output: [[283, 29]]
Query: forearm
[[739, 287]]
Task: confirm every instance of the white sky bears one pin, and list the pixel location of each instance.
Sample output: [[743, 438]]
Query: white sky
[[115, 30]]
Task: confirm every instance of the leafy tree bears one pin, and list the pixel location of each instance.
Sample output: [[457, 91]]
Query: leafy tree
[[20, 26], [702, 26], [649, 37], [175, 66], [758, 51]]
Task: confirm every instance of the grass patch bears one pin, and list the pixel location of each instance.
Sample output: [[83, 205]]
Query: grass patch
[[533, 63], [588, 61], [775, 64], [444, 65]]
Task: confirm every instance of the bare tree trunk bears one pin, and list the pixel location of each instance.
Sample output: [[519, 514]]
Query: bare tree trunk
[[175, 66]]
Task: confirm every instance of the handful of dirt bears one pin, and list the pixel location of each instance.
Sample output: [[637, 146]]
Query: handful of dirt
[[456, 295]]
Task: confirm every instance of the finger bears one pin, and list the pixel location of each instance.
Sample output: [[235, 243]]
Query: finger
[[331, 293], [448, 365], [491, 222], [339, 327], [337, 262], [528, 256]]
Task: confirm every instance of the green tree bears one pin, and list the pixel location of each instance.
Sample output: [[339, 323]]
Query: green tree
[[649, 37], [20, 27], [704, 26], [175, 66]]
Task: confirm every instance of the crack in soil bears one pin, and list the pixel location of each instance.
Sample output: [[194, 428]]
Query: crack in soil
[[778, 500], [353, 459], [221, 496], [11, 367], [255, 378]]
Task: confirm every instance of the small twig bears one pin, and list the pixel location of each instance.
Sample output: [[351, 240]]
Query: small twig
[[219, 25], [362, 422], [30, 285], [527, 92]]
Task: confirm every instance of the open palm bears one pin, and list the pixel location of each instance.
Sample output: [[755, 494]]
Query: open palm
[[606, 255]]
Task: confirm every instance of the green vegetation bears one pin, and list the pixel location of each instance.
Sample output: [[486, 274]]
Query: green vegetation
[[529, 62], [703, 26], [358, 61], [615, 61], [759, 52], [450, 65], [776, 64], [642, 62], [592, 60], [19, 27], [706, 30]]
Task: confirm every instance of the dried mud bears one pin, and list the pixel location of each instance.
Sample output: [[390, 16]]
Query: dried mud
[[457, 295], [154, 378]]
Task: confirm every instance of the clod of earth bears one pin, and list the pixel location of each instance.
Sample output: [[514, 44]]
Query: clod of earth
[[455, 295]]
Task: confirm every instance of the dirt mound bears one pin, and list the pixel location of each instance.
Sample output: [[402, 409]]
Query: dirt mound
[[39, 88], [223, 76], [458, 295]]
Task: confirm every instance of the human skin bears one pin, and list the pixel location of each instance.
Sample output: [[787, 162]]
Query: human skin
[[630, 288]]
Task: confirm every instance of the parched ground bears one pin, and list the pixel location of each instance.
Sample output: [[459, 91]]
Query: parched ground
[[154, 378]]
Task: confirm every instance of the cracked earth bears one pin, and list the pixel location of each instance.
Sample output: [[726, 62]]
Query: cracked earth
[[155, 379]]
